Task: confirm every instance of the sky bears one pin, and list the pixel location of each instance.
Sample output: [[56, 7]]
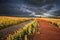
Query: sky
[[30, 7]]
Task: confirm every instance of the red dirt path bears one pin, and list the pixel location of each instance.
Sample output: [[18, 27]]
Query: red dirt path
[[47, 31]]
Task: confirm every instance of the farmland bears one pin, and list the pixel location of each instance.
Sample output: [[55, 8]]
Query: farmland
[[16, 28], [21, 28], [53, 21], [46, 30], [6, 21]]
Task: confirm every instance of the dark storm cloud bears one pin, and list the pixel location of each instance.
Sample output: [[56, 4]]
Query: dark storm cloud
[[26, 7], [55, 12], [48, 7], [9, 6], [40, 2], [14, 1], [12, 10]]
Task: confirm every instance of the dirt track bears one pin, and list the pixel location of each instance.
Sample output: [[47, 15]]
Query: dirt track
[[46, 31]]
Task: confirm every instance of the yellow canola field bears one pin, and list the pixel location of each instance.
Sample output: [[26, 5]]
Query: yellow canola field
[[6, 21], [23, 33]]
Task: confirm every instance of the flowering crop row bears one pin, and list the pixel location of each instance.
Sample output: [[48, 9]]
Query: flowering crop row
[[8, 21], [24, 32]]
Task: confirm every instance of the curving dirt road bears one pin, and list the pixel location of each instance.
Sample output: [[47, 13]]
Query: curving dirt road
[[46, 31]]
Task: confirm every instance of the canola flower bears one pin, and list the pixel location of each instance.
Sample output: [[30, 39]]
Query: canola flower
[[22, 34], [6, 21]]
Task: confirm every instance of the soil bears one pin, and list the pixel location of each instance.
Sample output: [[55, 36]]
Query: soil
[[46, 31]]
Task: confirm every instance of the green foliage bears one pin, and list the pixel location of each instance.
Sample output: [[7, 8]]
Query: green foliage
[[29, 29]]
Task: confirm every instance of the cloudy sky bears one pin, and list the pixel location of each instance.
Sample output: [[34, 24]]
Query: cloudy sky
[[30, 7]]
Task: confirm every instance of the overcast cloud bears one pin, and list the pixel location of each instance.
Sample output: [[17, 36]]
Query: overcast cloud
[[29, 7]]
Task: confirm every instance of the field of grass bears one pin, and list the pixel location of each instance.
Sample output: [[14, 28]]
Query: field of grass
[[54, 21], [22, 33], [6, 21], [25, 33]]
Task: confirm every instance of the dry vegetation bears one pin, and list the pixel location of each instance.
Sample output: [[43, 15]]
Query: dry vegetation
[[6, 21], [54, 21], [23, 33]]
